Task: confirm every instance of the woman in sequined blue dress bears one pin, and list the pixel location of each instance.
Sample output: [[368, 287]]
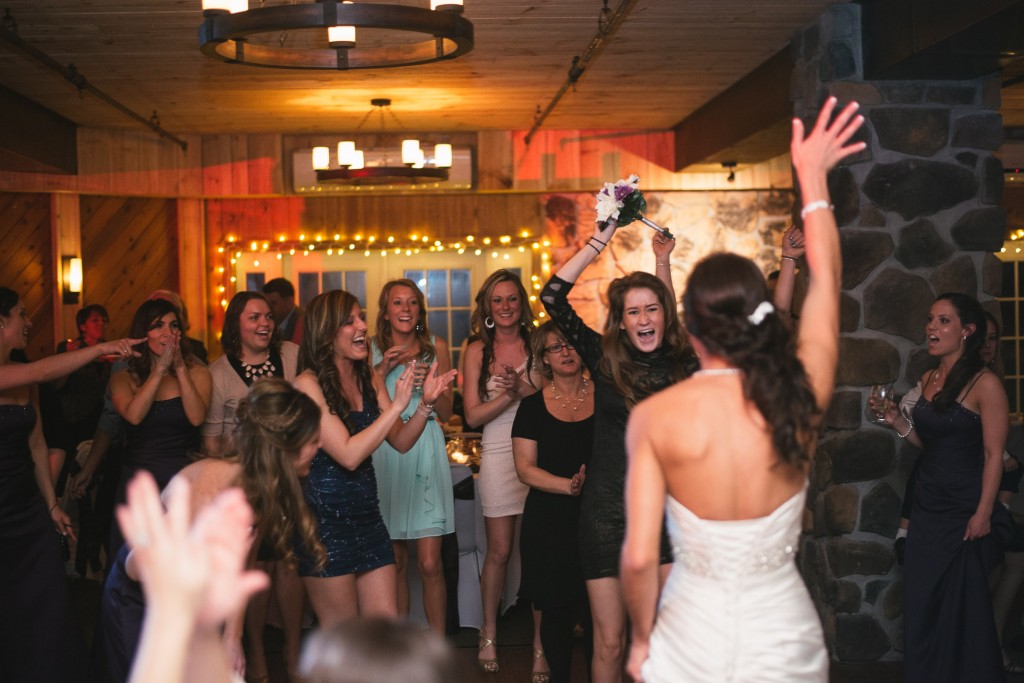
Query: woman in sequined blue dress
[[39, 639], [357, 416]]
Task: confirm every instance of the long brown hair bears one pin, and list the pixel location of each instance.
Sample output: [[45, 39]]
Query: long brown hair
[[149, 312], [482, 313], [274, 421], [325, 315], [723, 290], [617, 364], [423, 336]]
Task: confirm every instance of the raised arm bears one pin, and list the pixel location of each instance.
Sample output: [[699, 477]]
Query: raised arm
[[50, 368], [403, 435], [603, 233], [792, 250], [662, 247], [350, 450], [813, 156]]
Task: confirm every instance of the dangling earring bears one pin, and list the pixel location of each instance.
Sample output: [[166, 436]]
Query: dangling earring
[[1, 324], [489, 323], [419, 327]]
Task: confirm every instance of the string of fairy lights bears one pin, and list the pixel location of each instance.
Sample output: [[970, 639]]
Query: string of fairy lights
[[231, 250]]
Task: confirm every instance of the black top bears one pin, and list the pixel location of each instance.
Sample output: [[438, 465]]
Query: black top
[[551, 558], [603, 517]]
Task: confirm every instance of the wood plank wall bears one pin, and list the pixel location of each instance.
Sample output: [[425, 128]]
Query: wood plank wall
[[129, 249], [25, 263]]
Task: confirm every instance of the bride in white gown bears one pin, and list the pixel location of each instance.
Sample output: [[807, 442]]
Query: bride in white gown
[[726, 454]]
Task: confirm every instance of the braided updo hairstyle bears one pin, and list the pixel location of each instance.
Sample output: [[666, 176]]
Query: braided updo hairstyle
[[274, 422], [721, 294]]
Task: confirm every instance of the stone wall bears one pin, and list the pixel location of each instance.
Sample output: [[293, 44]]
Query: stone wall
[[918, 214]]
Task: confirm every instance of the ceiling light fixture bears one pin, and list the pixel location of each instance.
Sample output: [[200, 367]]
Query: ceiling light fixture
[[277, 36], [353, 167]]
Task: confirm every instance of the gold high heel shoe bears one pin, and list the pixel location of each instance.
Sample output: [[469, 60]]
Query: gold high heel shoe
[[540, 676], [487, 665]]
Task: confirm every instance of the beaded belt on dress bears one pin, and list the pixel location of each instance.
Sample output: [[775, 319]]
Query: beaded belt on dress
[[755, 561]]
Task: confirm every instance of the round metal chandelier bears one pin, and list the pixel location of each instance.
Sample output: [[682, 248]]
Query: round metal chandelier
[[229, 25]]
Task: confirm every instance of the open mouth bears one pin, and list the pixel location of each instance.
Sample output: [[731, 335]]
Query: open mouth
[[645, 335]]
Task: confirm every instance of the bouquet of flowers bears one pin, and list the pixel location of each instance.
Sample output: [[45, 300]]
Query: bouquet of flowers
[[624, 203]]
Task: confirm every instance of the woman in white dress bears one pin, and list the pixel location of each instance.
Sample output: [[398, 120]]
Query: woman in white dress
[[496, 377], [726, 454]]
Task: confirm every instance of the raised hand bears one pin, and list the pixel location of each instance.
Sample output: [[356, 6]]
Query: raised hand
[[165, 361], [793, 242], [404, 387], [392, 357], [662, 246], [434, 385], [826, 145]]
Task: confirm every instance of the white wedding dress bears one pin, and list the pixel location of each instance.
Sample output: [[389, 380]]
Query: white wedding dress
[[735, 608]]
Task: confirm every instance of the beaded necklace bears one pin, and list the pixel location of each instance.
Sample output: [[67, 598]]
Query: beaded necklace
[[567, 401]]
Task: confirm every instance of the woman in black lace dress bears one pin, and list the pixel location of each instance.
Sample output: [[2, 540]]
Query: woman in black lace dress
[[642, 350]]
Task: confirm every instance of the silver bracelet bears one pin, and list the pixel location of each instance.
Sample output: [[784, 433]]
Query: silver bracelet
[[790, 258], [425, 413], [815, 206], [903, 436]]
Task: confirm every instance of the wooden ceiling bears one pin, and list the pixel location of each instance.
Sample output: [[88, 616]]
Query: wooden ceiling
[[668, 58]]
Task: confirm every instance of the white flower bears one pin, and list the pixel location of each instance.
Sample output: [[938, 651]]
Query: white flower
[[609, 198]]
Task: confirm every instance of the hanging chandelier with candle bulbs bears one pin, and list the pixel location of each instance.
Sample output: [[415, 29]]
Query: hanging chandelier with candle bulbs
[[326, 34], [353, 168]]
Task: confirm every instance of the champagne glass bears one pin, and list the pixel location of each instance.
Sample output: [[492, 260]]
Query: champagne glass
[[880, 401]]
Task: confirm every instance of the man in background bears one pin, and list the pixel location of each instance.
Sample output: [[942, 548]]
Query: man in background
[[287, 316]]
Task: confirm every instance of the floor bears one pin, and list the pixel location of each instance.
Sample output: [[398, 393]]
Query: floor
[[514, 651]]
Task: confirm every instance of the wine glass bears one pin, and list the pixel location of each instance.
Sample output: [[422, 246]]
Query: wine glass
[[880, 401]]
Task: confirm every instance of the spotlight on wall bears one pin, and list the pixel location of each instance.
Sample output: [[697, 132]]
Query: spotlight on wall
[[71, 274], [731, 165]]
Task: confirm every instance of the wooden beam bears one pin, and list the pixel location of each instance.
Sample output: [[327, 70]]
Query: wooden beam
[[939, 39], [743, 123], [34, 139]]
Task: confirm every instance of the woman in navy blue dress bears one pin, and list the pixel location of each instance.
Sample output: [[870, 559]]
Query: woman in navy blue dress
[[955, 540], [357, 416], [39, 639]]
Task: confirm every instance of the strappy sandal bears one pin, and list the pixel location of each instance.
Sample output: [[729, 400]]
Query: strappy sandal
[[540, 676], [487, 665], [1013, 668]]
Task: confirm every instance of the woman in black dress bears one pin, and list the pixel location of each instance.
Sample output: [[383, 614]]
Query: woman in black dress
[[552, 437], [955, 538], [39, 640], [642, 350]]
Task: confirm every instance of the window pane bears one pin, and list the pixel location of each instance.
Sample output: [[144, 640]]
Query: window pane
[[418, 277], [1006, 313], [460, 328], [254, 281], [461, 294], [308, 287], [331, 280], [437, 288], [437, 323], [1008, 282], [355, 283]]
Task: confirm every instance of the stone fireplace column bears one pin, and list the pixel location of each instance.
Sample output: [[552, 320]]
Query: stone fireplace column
[[919, 215]]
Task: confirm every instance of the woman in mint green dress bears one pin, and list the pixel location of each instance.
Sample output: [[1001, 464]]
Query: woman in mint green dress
[[415, 488]]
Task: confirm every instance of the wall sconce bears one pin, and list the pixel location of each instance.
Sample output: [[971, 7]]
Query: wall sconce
[[731, 167], [71, 267]]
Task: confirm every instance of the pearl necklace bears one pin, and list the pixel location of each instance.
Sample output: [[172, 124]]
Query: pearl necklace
[[264, 369], [718, 371], [567, 400]]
